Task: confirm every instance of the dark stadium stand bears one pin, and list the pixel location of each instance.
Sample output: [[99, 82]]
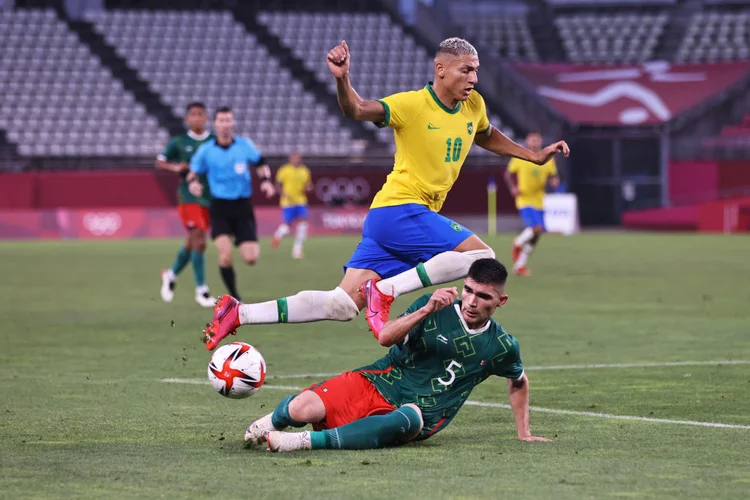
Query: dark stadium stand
[[114, 84]]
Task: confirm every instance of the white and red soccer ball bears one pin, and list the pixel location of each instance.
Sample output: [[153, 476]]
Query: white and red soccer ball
[[237, 370]]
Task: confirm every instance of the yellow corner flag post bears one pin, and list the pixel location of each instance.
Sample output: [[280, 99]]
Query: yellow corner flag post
[[491, 206]]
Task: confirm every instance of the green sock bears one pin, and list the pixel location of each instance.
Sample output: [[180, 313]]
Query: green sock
[[183, 257], [199, 268], [370, 432], [281, 418]]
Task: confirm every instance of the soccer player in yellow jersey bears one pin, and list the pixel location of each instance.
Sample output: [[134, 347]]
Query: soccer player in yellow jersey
[[528, 191], [406, 245], [294, 181]]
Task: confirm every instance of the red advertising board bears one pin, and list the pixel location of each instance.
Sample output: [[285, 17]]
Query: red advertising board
[[120, 223], [149, 189], [647, 93]]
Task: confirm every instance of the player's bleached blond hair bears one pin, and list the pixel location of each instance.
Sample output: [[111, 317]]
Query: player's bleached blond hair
[[457, 47]]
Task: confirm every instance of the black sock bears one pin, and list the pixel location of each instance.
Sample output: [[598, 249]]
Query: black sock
[[227, 276]]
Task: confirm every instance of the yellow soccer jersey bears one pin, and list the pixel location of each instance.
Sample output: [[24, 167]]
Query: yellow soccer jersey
[[293, 181], [432, 142], [532, 181]]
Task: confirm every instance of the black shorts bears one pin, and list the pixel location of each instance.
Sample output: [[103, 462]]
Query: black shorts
[[233, 218]]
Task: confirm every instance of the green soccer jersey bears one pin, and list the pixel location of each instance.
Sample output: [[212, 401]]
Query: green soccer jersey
[[440, 362], [180, 149]]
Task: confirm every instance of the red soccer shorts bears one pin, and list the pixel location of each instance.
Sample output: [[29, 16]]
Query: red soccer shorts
[[347, 398], [194, 215]]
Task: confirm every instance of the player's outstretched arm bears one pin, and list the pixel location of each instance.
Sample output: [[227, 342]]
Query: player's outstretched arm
[[352, 105], [497, 142], [396, 330], [518, 393]]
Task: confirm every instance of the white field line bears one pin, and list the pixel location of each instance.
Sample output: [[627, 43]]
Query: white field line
[[536, 408], [616, 417], [559, 367]]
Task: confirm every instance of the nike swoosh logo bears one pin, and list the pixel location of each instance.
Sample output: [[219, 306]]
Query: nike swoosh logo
[[430, 126]]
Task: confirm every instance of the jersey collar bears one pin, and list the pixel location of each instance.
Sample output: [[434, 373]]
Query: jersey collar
[[486, 326], [198, 137], [440, 103]]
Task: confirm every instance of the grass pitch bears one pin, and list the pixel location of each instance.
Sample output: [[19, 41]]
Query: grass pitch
[[86, 342]]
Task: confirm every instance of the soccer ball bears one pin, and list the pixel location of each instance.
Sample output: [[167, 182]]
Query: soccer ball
[[237, 370]]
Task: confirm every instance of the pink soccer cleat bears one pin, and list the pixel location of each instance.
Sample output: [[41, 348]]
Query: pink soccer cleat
[[226, 321], [378, 305]]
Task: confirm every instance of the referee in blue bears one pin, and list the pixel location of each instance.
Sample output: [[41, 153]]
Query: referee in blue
[[226, 162]]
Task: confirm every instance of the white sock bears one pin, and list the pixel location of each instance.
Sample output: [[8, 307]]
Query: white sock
[[524, 237], [305, 307], [281, 231], [442, 268], [301, 235], [524, 257], [171, 276]]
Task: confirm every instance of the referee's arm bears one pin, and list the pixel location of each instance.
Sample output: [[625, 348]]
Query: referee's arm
[[264, 174]]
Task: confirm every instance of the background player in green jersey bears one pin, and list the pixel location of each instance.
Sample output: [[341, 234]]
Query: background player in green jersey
[[193, 210], [440, 349]]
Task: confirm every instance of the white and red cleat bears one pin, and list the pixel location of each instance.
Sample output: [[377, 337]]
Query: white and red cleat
[[516, 252], [522, 271], [256, 432], [280, 442]]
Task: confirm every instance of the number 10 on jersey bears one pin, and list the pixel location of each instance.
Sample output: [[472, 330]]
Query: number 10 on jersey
[[453, 149]]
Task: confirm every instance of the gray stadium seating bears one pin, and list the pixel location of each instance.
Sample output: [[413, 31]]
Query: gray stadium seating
[[385, 60], [208, 56], [716, 36], [56, 99], [610, 38], [507, 36]]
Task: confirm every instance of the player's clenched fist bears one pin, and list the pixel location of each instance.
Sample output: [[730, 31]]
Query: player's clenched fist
[[338, 59], [443, 297]]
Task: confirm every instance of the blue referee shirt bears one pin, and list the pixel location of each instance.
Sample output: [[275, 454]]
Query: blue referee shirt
[[227, 167]]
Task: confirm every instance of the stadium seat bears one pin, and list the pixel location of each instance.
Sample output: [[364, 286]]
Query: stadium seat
[[618, 37], [56, 88], [388, 60], [210, 57], [716, 36]]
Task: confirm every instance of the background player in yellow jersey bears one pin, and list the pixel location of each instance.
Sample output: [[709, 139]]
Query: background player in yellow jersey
[[294, 181], [405, 242], [528, 191]]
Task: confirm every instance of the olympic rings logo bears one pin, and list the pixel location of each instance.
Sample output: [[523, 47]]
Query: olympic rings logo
[[102, 223], [342, 188]]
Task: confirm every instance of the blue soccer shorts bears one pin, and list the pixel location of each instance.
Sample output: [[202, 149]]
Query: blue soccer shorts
[[291, 214], [532, 216], [396, 239]]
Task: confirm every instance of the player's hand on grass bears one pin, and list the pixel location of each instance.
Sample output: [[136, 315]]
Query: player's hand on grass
[[553, 149], [195, 188], [338, 59], [442, 298], [534, 439], [268, 189]]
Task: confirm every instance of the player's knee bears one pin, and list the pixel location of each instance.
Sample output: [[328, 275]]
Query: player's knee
[[538, 230], [199, 244], [250, 260], [306, 407], [414, 415]]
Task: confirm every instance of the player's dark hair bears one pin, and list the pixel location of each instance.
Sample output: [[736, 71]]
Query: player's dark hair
[[222, 109], [488, 272], [195, 104]]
